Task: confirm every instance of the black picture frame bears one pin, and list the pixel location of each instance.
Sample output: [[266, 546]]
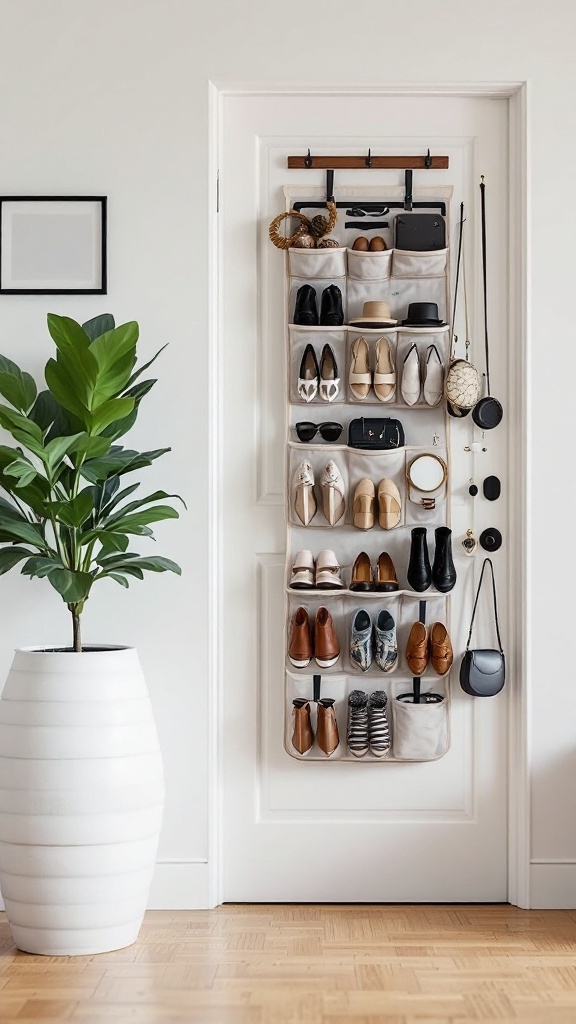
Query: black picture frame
[[11, 243]]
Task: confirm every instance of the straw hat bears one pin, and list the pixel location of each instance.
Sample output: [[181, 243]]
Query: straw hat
[[375, 314]]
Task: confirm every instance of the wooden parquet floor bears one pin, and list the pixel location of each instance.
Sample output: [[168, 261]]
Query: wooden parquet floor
[[310, 965]]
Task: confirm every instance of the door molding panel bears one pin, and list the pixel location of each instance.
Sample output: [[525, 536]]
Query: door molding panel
[[269, 492]]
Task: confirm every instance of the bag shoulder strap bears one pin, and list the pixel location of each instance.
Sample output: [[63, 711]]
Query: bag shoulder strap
[[487, 561]]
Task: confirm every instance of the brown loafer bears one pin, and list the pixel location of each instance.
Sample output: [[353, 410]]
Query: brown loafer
[[417, 649], [327, 727], [441, 653], [386, 578], [302, 735], [362, 578]]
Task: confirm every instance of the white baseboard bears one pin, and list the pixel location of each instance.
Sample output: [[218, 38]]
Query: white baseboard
[[180, 885], [553, 885]]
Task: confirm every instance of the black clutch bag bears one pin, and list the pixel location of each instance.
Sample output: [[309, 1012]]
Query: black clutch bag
[[420, 232], [376, 434], [483, 671]]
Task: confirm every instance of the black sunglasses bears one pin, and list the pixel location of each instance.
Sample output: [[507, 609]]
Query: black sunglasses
[[329, 431]]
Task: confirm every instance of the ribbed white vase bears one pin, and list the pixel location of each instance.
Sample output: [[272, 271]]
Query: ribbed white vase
[[81, 799]]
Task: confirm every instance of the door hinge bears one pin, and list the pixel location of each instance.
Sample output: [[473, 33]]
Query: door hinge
[[217, 191]]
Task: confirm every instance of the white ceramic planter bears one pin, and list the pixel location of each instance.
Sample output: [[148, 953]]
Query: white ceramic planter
[[81, 799]]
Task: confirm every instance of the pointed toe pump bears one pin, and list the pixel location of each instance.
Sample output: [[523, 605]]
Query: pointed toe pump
[[333, 500], [309, 375], [329, 380]]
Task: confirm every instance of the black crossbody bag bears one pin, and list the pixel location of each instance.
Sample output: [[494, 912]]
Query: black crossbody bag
[[483, 671], [376, 433]]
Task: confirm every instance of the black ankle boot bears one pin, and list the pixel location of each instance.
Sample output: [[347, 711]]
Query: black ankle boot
[[306, 311], [443, 571], [331, 312], [419, 571]]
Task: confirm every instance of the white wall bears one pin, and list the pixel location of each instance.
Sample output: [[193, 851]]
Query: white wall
[[110, 96]]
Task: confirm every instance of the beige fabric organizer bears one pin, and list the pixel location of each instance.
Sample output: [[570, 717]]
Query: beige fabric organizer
[[419, 732]]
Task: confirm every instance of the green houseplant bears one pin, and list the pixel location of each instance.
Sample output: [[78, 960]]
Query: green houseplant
[[82, 788], [66, 517]]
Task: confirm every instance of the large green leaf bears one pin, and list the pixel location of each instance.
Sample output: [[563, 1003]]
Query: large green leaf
[[56, 450], [22, 471], [107, 509], [30, 533], [112, 543], [119, 461], [52, 418], [113, 410], [90, 447], [75, 512], [16, 386], [10, 556], [154, 563], [115, 353], [19, 425], [98, 325], [41, 566], [33, 494], [62, 386], [118, 578], [141, 369], [133, 505], [72, 586], [132, 523], [74, 356]]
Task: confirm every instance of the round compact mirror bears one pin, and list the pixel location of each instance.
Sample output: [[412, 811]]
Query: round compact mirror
[[427, 472]]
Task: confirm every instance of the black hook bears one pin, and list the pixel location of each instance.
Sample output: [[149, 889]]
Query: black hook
[[308, 160], [428, 159], [330, 186], [369, 159], [408, 184]]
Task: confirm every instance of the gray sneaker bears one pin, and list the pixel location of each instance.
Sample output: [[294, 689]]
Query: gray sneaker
[[379, 727], [357, 731], [361, 649], [386, 643]]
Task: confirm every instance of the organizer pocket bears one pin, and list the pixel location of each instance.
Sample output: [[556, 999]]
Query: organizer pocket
[[364, 290], [376, 466], [378, 654], [301, 688], [421, 731], [300, 337], [419, 264], [421, 493], [318, 504], [369, 266], [317, 264]]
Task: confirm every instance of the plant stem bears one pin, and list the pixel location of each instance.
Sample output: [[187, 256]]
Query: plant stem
[[77, 638]]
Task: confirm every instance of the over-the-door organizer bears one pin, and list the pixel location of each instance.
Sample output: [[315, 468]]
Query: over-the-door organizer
[[401, 730]]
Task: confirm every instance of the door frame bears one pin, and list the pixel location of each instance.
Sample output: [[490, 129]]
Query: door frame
[[518, 398]]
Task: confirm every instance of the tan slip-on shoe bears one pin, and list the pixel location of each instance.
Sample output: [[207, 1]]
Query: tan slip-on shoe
[[363, 504], [362, 578], [389, 504], [302, 735], [332, 485], [417, 653], [359, 377], [326, 726], [326, 643], [300, 639], [441, 653], [384, 372], [305, 504], [386, 577]]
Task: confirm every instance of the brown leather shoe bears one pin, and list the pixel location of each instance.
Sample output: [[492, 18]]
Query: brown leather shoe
[[300, 641], [386, 578], [327, 726], [362, 578], [302, 736], [417, 649], [441, 653], [326, 643]]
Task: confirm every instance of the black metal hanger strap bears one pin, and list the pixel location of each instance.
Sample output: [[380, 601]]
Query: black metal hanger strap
[[483, 209], [487, 561], [460, 233]]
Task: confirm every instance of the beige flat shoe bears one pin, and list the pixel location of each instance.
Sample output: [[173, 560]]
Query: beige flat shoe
[[360, 378], [363, 506], [389, 505], [384, 372]]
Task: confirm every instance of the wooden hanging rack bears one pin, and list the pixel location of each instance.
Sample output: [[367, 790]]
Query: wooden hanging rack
[[323, 163]]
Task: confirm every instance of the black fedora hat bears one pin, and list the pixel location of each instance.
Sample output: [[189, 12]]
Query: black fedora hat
[[423, 314]]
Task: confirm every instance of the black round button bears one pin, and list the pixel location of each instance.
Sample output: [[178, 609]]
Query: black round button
[[491, 539], [473, 490], [491, 488]]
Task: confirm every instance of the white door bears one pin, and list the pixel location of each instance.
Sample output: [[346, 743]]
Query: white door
[[308, 831]]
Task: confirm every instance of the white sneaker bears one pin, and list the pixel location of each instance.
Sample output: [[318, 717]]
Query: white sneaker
[[433, 377], [410, 386]]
